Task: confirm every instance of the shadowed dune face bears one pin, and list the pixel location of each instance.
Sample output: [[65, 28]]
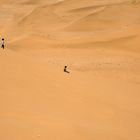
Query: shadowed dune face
[[110, 17], [63, 21], [99, 41]]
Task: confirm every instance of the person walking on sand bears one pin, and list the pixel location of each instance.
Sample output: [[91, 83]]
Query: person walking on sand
[[2, 45], [65, 69]]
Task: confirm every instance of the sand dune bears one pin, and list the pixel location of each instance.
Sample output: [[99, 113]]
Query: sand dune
[[109, 17], [99, 41]]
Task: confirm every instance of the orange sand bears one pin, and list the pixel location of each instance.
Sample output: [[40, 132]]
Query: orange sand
[[99, 41]]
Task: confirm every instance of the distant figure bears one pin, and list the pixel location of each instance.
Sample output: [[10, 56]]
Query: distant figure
[[2, 45], [65, 69]]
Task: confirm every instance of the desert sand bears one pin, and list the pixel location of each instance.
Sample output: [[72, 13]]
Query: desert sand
[[99, 41]]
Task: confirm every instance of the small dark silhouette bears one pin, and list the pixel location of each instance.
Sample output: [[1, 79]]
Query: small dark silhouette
[[65, 69], [2, 45]]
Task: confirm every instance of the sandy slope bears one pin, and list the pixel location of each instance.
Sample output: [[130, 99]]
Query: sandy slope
[[99, 41]]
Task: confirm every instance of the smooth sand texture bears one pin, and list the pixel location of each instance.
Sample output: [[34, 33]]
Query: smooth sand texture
[[99, 41]]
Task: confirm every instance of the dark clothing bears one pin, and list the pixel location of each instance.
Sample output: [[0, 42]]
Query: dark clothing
[[65, 69], [2, 46]]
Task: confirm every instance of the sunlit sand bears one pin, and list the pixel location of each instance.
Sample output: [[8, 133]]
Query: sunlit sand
[[99, 41]]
